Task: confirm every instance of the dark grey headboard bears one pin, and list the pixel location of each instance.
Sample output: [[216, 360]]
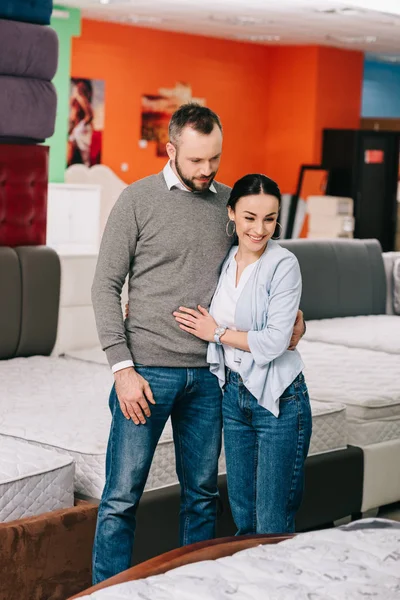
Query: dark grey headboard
[[341, 278], [29, 300]]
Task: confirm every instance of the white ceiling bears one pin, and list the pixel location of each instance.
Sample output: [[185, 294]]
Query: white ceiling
[[356, 24]]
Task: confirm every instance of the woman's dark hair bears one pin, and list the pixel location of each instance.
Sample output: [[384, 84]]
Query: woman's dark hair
[[253, 185]]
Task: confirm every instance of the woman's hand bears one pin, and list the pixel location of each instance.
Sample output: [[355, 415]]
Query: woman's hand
[[199, 323]]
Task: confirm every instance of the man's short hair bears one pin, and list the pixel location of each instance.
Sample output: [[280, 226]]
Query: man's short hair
[[199, 118]]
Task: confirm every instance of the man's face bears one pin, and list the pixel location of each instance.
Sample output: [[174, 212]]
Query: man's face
[[196, 157]]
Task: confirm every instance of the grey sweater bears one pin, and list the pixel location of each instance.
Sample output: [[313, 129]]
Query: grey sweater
[[172, 243]]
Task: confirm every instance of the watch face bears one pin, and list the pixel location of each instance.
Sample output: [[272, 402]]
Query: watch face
[[220, 330]]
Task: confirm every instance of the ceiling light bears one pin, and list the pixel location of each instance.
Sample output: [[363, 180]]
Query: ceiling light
[[241, 20], [347, 12], [362, 39], [390, 7], [104, 1], [144, 19], [259, 38]]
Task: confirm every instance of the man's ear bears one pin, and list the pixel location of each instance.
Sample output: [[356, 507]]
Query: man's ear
[[171, 151]]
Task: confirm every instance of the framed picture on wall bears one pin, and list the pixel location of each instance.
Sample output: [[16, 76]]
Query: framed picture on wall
[[86, 121]]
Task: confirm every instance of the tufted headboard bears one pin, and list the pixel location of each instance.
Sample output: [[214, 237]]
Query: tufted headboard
[[23, 194], [29, 300], [341, 277]]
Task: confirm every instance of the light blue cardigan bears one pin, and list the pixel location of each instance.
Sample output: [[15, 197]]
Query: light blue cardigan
[[266, 308]]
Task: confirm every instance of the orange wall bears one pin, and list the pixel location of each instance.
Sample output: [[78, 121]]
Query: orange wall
[[339, 91], [312, 88], [274, 101], [135, 61], [291, 112]]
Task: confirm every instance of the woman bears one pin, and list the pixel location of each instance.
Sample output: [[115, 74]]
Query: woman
[[266, 409]]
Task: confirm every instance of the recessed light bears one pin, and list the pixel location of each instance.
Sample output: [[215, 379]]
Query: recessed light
[[259, 38], [144, 19], [362, 39], [104, 1], [347, 12], [240, 20]]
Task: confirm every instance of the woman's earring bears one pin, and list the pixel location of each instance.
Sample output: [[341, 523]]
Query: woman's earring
[[279, 236], [227, 228]]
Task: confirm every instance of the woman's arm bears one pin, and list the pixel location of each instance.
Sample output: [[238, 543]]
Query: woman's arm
[[284, 299], [272, 341]]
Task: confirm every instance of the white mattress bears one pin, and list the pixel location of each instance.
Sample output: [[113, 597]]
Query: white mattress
[[352, 563], [329, 427], [62, 403], [367, 382], [372, 332], [33, 480]]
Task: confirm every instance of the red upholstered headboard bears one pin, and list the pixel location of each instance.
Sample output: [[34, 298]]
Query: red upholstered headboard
[[23, 194]]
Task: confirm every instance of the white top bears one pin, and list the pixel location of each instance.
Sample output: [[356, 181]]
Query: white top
[[225, 304], [172, 181]]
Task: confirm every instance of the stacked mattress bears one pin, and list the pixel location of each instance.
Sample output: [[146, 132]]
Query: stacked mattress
[[33, 480], [30, 11], [367, 382], [28, 62], [356, 361]]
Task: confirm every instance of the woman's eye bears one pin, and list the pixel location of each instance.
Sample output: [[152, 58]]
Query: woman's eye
[[249, 219]]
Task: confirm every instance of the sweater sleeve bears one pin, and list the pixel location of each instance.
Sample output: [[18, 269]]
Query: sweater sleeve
[[285, 292], [117, 250]]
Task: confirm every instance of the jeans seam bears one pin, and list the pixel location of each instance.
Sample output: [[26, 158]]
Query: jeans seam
[[112, 438], [255, 487], [184, 487], [295, 472]]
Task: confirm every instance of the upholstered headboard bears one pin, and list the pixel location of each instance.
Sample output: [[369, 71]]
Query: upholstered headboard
[[29, 300], [341, 277]]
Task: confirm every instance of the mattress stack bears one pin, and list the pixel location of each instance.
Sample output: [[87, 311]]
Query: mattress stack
[[28, 101], [356, 361]]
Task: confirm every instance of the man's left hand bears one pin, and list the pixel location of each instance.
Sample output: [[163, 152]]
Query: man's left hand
[[197, 322], [299, 330]]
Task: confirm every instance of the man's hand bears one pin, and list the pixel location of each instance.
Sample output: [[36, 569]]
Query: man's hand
[[134, 395], [299, 330]]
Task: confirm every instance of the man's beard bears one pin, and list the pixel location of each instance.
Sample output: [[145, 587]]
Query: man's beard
[[191, 183]]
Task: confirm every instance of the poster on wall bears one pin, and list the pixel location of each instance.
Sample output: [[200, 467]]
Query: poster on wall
[[86, 121], [157, 110]]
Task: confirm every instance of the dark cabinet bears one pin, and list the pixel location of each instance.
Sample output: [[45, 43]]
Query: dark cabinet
[[364, 165]]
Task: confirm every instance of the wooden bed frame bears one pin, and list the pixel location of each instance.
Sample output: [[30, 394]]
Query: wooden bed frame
[[209, 550]]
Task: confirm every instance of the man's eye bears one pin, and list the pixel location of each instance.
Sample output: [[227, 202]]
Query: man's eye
[[195, 161]]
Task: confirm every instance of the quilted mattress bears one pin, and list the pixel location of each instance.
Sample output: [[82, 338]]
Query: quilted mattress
[[367, 382], [350, 563], [33, 480], [62, 404], [329, 427], [36, 57], [372, 332], [30, 11], [27, 108]]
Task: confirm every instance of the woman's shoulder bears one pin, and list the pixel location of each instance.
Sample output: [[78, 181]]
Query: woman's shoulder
[[278, 253]]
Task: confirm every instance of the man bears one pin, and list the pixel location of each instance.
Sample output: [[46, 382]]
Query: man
[[168, 231]]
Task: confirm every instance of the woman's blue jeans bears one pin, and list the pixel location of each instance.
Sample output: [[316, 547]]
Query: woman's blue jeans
[[265, 456]]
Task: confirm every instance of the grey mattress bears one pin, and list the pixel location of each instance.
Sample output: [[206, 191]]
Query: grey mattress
[[28, 50], [27, 107]]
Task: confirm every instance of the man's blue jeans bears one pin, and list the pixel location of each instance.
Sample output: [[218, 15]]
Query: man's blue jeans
[[265, 456], [192, 398]]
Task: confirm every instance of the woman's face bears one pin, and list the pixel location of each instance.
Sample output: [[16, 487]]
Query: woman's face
[[255, 219]]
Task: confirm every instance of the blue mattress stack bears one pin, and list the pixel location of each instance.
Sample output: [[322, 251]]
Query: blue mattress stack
[[28, 63]]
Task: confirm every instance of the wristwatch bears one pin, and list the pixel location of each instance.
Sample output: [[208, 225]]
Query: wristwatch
[[219, 331]]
